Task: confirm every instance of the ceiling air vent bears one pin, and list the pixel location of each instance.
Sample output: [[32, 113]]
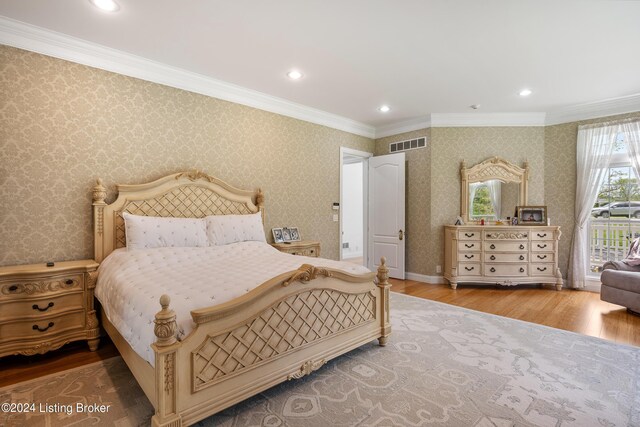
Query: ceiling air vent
[[410, 144]]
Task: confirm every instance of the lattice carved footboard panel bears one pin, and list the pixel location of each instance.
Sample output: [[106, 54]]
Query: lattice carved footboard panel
[[183, 202], [288, 325]]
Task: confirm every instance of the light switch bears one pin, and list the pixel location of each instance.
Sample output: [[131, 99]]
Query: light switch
[[335, 218]]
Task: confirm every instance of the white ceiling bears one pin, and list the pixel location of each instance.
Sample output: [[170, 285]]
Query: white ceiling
[[418, 56]]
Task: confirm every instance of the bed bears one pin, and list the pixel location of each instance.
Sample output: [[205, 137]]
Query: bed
[[281, 330]]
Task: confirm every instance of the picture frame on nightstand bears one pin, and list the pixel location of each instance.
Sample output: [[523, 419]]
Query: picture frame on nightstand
[[277, 235], [286, 234], [295, 234]]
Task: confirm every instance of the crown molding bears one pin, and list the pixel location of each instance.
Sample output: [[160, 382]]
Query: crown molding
[[36, 39], [486, 119], [594, 110], [404, 126]]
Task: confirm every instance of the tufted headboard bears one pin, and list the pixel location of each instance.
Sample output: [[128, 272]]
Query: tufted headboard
[[190, 194]]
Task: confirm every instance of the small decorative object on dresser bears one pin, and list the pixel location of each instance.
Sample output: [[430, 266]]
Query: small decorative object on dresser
[[277, 235], [43, 308], [304, 247], [532, 215], [295, 234]]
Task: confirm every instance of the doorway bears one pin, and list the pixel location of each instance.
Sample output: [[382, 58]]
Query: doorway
[[353, 205]]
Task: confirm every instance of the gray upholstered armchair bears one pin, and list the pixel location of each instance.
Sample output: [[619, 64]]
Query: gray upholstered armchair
[[621, 284]]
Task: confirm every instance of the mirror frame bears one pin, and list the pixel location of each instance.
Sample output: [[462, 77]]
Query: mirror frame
[[492, 168]]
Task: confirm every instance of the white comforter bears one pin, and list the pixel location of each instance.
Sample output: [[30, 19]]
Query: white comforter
[[130, 283]]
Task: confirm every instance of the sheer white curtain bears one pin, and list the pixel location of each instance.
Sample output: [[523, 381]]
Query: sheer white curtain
[[495, 189], [631, 132], [595, 146], [473, 187]]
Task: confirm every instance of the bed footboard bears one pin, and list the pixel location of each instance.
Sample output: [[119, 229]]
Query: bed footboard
[[283, 330]]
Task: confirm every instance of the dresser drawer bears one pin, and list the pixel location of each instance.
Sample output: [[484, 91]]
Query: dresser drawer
[[506, 246], [36, 329], [505, 270], [542, 246], [34, 308], [469, 269], [508, 235], [543, 257], [469, 246], [469, 235], [542, 269], [542, 235], [25, 289], [469, 257], [501, 257]]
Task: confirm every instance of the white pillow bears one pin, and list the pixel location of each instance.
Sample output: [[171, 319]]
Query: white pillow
[[225, 229], [144, 232]]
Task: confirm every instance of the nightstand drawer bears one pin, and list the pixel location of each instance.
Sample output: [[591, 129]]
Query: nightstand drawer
[[30, 288], [33, 329], [35, 308]]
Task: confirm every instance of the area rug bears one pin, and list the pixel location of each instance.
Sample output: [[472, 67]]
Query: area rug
[[443, 366]]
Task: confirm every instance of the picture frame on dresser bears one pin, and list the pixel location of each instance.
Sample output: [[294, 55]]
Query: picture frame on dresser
[[532, 215], [295, 234]]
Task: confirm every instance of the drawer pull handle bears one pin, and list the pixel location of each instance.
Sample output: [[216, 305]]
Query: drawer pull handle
[[469, 268], [521, 269], [542, 235], [35, 307], [493, 270], [13, 288], [542, 246], [521, 257], [521, 246], [542, 269], [467, 256], [492, 246], [68, 282], [493, 257], [37, 328], [469, 234], [542, 256], [469, 246]]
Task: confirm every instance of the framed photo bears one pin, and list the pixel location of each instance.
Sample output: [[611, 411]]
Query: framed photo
[[277, 235], [532, 215], [286, 234], [459, 221], [295, 234]]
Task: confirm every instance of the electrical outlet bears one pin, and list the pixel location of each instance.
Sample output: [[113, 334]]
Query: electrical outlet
[[438, 269], [335, 218]]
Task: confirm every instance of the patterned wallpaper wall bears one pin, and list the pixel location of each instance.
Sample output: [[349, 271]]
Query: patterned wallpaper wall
[[62, 125], [433, 196]]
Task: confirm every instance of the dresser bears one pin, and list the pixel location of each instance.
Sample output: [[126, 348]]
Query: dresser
[[42, 308], [305, 248], [502, 255]]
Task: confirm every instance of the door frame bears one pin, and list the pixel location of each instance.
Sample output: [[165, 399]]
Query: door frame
[[365, 199]]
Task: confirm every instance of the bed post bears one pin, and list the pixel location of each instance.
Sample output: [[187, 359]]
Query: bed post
[[384, 285], [99, 194], [260, 203], [166, 348]]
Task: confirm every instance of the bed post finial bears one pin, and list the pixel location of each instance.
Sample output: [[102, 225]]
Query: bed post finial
[[166, 326], [260, 199], [99, 193], [384, 285]]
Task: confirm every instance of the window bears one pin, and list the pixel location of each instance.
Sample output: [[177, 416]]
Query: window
[[615, 217]]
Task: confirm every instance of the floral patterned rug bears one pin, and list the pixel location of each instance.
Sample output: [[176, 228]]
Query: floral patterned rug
[[443, 366]]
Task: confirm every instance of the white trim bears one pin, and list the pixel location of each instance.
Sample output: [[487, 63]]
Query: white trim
[[594, 110], [487, 119], [36, 39], [365, 196], [435, 280], [403, 127]]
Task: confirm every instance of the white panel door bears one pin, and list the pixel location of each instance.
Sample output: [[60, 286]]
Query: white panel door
[[386, 213]]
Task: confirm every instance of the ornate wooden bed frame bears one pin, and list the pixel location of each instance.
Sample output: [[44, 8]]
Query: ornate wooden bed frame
[[284, 329]]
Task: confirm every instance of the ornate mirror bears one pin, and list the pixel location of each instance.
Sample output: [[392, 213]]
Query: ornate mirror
[[492, 189]]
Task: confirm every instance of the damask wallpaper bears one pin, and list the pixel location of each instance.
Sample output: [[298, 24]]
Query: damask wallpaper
[[63, 125]]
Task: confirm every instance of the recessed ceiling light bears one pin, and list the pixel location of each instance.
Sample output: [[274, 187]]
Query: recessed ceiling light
[[294, 74], [384, 109], [525, 92], [474, 106], [106, 5]]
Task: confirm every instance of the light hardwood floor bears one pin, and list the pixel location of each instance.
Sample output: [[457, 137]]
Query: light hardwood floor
[[576, 311]]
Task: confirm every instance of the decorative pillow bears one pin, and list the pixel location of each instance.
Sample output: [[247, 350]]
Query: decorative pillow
[[225, 229], [144, 232]]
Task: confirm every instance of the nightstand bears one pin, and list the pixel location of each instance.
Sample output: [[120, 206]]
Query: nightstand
[[305, 248], [43, 308]]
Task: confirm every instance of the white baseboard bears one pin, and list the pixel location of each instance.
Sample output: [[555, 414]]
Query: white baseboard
[[592, 286], [352, 255], [436, 280]]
